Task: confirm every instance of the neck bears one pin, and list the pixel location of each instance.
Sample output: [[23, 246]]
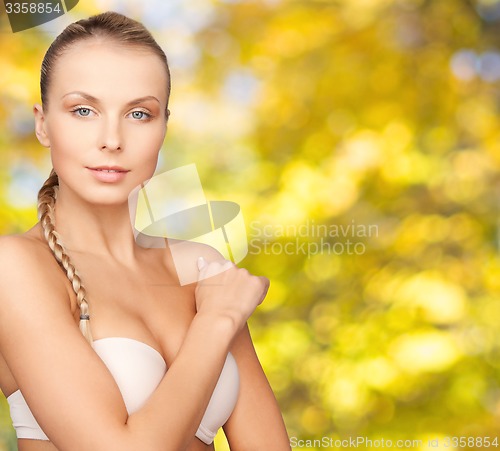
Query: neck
[[102, 230]]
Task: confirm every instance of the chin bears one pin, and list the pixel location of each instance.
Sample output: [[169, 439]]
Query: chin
[[108, 199]]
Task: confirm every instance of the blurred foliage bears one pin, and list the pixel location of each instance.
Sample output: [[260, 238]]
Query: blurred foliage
[[362, 140]]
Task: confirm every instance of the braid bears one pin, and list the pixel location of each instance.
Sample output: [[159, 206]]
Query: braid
[[46, 206]]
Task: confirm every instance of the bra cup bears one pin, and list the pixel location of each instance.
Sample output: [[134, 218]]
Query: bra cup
[[136, 367], [23, 420], [224, 396]]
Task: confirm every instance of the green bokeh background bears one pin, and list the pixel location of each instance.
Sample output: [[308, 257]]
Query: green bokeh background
[[361, 139]]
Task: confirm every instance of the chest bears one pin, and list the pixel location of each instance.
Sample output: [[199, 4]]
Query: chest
[[145, 303]]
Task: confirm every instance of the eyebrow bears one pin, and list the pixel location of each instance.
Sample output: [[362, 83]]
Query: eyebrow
[[93, 99]]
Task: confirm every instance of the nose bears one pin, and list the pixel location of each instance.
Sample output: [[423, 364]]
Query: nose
[[111, 139]]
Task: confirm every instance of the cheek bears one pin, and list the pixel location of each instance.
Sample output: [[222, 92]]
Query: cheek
[[66, 135], [65, 147], [144, 142], [143, 147], [146, 162]]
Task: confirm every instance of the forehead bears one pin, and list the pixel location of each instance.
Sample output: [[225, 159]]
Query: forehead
[[109, 70]]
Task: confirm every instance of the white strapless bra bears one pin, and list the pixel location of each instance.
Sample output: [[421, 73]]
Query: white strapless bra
[[138, 369]]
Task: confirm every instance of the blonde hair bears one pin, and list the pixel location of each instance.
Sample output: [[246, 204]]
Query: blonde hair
[[123, 30], [46, 206]]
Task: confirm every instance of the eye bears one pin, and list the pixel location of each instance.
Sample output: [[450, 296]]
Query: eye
[[82, 111], [140, 115]]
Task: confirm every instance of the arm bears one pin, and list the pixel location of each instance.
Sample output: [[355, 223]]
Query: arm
[[256, 421], [67, 386]]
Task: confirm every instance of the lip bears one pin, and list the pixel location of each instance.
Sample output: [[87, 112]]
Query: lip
[[103, 174]]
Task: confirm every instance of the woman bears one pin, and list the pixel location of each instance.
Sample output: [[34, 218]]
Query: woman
[[85, 351]]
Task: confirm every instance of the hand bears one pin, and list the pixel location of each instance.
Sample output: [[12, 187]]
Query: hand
[[223, 289]]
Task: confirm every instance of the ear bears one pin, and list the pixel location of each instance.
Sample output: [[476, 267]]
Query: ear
[[40, 125]]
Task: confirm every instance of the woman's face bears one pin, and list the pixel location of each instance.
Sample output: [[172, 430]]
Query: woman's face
[[105, 121]]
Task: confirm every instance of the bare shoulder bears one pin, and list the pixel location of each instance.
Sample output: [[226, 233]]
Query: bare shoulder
[[181, 256], [21, 245], [25, 259], [185, 254], [193, 250], [25, 251]]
